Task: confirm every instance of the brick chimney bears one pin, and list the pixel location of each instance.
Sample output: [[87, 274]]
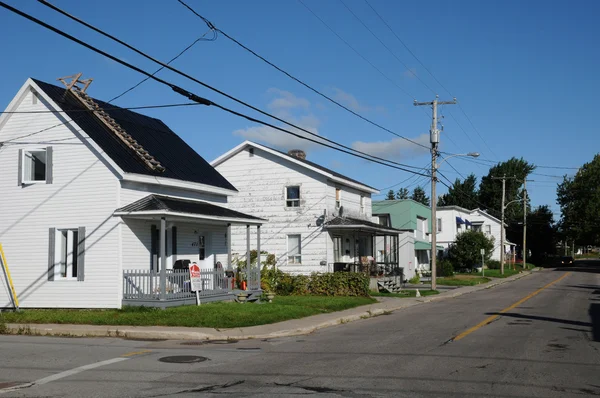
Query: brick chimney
[[297, 153]]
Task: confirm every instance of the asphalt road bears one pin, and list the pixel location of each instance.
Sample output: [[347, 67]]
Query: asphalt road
[[545, 346]]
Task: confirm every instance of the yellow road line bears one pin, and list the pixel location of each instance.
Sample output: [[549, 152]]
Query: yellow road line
[[134, 353], [493, 317]]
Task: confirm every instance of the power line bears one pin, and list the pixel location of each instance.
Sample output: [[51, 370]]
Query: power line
[[386, 47], [356, 51], [106, 109], [185, 92], [189, 94], [201, 38], [406, 47], [316, 91]]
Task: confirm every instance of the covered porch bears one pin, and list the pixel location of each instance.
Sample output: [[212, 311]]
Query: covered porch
[[163, 236], [364, 246]]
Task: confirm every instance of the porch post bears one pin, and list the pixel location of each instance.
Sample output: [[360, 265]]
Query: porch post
[[258, 253], [248, 265], [163, 259], [229, 265]]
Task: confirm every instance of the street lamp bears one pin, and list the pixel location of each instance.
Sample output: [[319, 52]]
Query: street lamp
[[504, 207], [434, 167]]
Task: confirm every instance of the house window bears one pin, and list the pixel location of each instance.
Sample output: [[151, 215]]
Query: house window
[[292, 196], [439, 225], [362, 204], [34, 166], [294, 249], [338, 198], [488, 229], [476, 227], [383, 220], [421, 228], [66, 254]]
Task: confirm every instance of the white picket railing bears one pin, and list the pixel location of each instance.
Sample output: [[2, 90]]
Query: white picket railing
[[145, 284]]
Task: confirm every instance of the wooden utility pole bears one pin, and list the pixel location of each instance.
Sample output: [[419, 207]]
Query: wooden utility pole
[[434, 135], [503, 178], [525, 222]]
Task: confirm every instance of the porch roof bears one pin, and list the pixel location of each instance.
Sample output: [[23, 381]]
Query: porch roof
[[349, 223], [159, 205], [421, 245]]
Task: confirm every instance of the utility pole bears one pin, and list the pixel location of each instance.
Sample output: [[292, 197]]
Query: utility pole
[[525, 222], [434, 138], [503, 178]]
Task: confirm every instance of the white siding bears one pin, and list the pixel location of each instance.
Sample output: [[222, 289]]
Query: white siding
[[350, 200], [83, 193], [261, 180], [132, 191]]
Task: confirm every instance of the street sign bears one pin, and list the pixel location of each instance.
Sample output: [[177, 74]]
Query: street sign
[[482, 252], [195, 280]]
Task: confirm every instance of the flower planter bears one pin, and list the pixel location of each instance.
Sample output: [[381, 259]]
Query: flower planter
[[270, 296]]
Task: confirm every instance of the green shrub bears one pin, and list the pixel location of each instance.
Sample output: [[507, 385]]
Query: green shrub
[[465, 252], [445, 268], [493, 264], [324, 284], [414, 280]]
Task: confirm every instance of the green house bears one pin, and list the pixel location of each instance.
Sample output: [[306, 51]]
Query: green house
[[414, 219]]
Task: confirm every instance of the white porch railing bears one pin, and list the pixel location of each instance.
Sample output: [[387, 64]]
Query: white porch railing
[[146, 284]]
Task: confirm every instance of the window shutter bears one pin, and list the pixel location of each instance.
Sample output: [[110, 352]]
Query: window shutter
[[153, 248], [174, 243], [51, 255], [49, 166], [81, 254], [20, 167]]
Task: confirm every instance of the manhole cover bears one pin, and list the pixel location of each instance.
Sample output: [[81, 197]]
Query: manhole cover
[[183, 359], [222, 341]]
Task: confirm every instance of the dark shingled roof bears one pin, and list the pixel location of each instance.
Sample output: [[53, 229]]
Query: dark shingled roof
[[179, 159], [325, 169], [175, 205], [349, 221]]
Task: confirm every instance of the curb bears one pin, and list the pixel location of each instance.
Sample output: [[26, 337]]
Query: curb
[[182, 333]]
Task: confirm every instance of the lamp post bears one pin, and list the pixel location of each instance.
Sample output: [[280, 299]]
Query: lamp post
[[504, 206], [434, 167]]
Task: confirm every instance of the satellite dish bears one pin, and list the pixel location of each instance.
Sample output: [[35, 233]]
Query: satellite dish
[[341, 211]]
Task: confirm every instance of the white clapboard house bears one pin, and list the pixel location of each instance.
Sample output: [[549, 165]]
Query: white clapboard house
[[99, 203], [452, 220], [318, 220]]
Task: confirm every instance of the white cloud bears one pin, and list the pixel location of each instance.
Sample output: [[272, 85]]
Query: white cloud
[[296, 110], [348, 100], [286, 100], [410, 73], [395, 149]]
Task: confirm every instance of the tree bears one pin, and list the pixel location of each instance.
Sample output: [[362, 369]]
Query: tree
[[490, 189], [402, 194], [541, 232], [465, 252], [461, 193], [579, 200], [390, 195], [420, 196]]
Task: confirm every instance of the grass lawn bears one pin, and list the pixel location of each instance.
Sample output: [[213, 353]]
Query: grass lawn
[[405, 293], [212, 315], [462, 280]]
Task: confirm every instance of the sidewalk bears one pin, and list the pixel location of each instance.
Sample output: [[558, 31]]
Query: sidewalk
[[292, 327]]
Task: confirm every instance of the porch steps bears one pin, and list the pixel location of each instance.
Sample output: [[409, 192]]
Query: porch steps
[[389, 285]]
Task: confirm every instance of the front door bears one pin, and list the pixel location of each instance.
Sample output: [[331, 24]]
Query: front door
[[205, 256]]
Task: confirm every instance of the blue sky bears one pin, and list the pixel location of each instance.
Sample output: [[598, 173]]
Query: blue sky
[[525, 73]]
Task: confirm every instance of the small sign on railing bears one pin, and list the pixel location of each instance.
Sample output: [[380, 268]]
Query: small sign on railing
[[195, 281]]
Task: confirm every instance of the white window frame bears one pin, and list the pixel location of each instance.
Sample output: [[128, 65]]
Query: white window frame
[[338, 198], [288, 200], [25, 177], [439, 225], [71, 256], [362, 204], [294, 259], [488, 229]]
